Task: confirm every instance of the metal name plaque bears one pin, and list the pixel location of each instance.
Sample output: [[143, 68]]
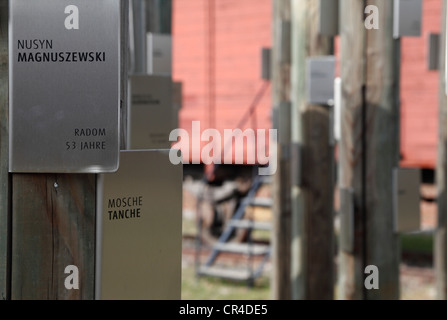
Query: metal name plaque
[[159, 53], [320, 80], [328, 18], [64, 60], [139, 228], [406, 184], [407, 18], [150, 118]]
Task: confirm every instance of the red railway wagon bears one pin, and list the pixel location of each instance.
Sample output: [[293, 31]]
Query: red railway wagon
[[419, 94], [216, 54]]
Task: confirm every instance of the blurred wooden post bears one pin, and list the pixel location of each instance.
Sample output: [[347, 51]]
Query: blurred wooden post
[[281, 235], [158, 16], [441, 172], [138, 8], [53, 215], [369, 148], [312, 202], [5, 216], [352, 34]]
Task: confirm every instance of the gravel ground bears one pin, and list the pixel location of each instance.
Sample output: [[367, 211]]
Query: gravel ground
[[417, 282]]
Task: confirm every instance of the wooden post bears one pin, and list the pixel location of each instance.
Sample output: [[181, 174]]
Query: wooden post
[[139, 34], [280, 281], [53, 227], [369, 149], [158, 16], [5, 216], [352, 35], [441, 173], [53, 215], [313, 248]]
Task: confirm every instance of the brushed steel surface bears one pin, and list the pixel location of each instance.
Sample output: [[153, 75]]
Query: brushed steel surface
[[320, 75], [64, 86], [407, 182], [139, 252], [151, 112]]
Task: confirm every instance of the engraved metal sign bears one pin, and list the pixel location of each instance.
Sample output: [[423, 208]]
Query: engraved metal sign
[[150, 118], [139, 228], [433, 51], [407, 18], [407, 215], [320, 80], [347, 219], [177, 100], [266, 63], [64, 60], [296, 169], [328, 17], [159, 54]]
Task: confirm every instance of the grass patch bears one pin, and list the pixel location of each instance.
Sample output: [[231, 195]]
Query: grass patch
[[189, 227], [417, 243], [207, 288]]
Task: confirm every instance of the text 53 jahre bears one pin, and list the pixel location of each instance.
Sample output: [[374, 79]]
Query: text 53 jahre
[[96, 144]]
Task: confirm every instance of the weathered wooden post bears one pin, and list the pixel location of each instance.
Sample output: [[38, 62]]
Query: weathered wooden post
[[369, 150], [441, 171], [47, 219], [313, 248], [5, 213], [281, 235]]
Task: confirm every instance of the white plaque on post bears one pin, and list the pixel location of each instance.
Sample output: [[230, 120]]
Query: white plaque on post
[[64, 75], [320, 80], [139, 229], [407, 18], [328, 17], [407, 197], [159, 54], [150, 118], [337, 108]]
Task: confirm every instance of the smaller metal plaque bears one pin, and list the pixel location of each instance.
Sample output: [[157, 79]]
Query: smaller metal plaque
[[285, 47], [159, 54], [328, 24], [295, 154], [177, 99], [407, 18], [139, 229], [284, 118], [266, 57], [320, 80], [407, 197], [433, 51], [346, 220], [150, 118], [275, 118]]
